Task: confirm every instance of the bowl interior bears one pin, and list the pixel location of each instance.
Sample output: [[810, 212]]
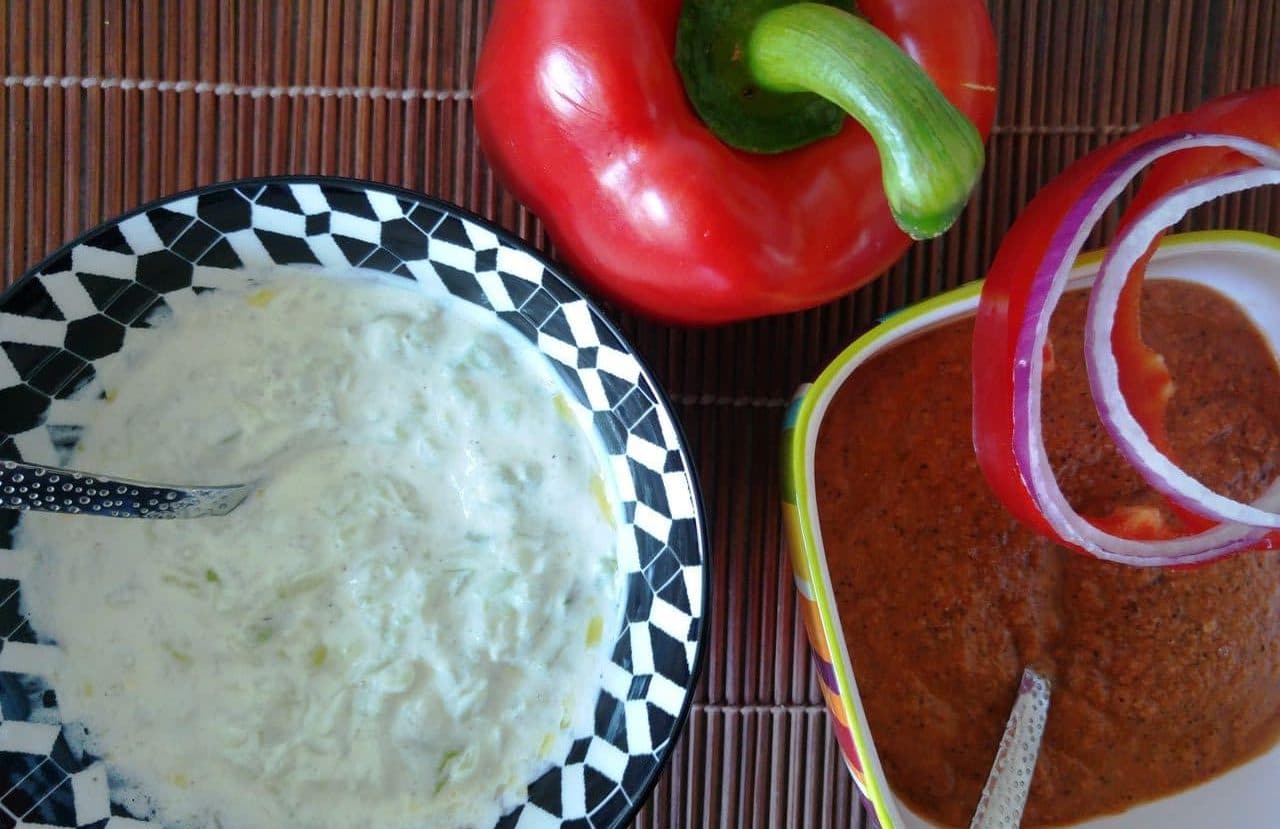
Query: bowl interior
[[81, 304], [1242, 266]]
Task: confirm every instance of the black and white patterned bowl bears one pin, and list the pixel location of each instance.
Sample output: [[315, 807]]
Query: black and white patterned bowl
[[80, 305]]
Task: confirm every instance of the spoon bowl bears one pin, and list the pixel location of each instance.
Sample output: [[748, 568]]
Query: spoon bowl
[[31, 486]]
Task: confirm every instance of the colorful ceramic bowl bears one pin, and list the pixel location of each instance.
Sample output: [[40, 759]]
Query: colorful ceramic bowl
[[85, 300], [1241, 265]]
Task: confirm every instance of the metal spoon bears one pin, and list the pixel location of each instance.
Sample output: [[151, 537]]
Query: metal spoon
[[29, 486], [1005, 795]]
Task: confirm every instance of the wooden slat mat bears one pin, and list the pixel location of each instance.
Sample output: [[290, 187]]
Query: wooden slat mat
[[108, 103]]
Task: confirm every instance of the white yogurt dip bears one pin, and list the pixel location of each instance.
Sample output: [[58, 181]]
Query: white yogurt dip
[[397, 628]]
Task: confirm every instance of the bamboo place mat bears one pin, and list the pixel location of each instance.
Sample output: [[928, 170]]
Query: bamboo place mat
[[108, 103]]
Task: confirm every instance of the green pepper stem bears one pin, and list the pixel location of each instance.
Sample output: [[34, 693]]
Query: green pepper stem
[[931, 155]]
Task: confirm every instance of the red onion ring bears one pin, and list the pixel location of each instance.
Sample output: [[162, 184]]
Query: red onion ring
[[1156, 468], [1046, 289]]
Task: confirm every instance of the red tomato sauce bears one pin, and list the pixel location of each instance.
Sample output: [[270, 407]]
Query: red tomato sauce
[[1161, 678]]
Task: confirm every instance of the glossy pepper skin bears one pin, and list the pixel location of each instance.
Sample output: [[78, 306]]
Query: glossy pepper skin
[[1143, 377], [583, 116]]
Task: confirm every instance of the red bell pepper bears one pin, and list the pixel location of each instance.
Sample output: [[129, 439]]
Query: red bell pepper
[[1143, 376], [582, 113]]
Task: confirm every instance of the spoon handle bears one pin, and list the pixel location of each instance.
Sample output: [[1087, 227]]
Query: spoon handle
[[28, 486], [1005, 795]]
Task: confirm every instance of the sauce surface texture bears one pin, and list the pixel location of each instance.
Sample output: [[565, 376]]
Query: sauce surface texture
[[397, 629], [1162, 678]]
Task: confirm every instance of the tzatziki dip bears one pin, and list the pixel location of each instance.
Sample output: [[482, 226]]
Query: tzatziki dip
[[398, 629]]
